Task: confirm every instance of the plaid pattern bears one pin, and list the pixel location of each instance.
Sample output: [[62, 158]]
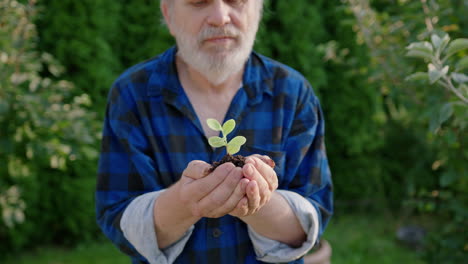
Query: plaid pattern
[[151, 132]]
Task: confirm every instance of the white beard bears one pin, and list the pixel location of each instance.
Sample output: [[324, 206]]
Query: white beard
[[219, 63]]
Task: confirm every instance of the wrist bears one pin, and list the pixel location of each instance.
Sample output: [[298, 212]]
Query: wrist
[[269, 209], [180, 204], [171, 205], [263, 212]]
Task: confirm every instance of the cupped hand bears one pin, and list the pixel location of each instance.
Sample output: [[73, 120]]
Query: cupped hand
[[212, 194], [261, 180]]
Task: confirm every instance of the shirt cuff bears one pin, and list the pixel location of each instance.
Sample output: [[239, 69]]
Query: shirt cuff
[[137, 224], [269, 250]]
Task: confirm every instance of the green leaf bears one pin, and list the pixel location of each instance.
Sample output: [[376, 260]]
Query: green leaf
[[456, 46], [228, 126], [232, 149], [419, 54], [462, 64], [445, 112], [420, 50], [418, 76], [214, 124], [239, 140], [421, 46], [459, 77], [435, 74], [216, 142], [444, 42], [234, 145], [436, 41]]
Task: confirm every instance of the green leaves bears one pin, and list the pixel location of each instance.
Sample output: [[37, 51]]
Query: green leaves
[[456, 46], [459, 77], [214, 124], [239, 140], [462, 64], [418, 76], [232, 146], [216, 142], [440, 43], [232, 149], [439, 71], [421, 50], [435, 74], [229, 126], [440, 114], [432, 50]]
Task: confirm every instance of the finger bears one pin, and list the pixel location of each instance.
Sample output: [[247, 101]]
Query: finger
[[253, 196], [266, 159], [233, 200], [251, 173], [242, 208], [218, 197], [196, 169], [267, 173], [202, 187]]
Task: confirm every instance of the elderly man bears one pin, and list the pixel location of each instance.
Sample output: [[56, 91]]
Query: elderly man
[[157, 198]]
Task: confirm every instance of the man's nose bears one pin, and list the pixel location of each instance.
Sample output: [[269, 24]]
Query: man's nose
[[219, 14]]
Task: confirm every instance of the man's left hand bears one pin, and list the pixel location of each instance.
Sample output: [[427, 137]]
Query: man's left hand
[[263, 181]]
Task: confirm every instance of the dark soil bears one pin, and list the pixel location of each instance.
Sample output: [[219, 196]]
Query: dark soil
[[237, 160]]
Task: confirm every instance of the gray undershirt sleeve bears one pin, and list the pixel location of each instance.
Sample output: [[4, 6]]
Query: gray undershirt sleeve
[[269, 250], [137, 224]]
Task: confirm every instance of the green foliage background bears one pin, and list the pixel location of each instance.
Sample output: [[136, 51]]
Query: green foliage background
[[48, 143], [382, 157]]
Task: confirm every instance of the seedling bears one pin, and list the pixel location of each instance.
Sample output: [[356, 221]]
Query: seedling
[[233, 146]]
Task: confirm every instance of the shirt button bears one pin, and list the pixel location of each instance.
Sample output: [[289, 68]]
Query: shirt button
[[217, 232]]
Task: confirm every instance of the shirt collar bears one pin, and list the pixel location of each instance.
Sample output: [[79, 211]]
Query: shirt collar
[[257, 79]]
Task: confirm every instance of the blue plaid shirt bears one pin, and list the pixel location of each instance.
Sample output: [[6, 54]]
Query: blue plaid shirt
[[151, 132]]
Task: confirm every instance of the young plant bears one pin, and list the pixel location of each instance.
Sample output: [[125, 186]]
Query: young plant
[[233, 146], [440, 56]]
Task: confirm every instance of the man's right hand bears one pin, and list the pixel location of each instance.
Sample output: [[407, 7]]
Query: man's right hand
[[212, 194]]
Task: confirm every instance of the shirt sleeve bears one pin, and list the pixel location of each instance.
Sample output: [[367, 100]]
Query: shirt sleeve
[[125, 170], [305, 181], [269, 250], [137, 224], [307, 171]]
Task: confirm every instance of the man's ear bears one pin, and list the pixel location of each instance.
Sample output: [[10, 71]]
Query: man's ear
[[166, 14]]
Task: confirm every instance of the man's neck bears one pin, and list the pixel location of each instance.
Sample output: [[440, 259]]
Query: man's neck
[[207, 99]]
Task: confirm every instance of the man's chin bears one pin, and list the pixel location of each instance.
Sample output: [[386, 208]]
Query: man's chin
[[220, 54]]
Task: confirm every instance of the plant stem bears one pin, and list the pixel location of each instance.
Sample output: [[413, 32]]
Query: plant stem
[[427, 19], [455, 90]]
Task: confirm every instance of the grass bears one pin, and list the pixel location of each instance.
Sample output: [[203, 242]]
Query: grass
[[93, 253], [369, 239], [355, 239]]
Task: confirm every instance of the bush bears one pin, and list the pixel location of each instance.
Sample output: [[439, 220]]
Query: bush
[[317, 39], [427, 120], [354, 115], [48, 142], [80, 35], [142, 33], [96, 40]]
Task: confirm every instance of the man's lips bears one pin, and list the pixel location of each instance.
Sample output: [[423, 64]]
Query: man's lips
[[219, 39]]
